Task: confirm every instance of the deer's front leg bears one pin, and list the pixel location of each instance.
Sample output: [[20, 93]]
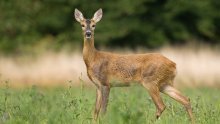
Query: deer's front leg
[[102, 95], [98, 103], [105, 96]]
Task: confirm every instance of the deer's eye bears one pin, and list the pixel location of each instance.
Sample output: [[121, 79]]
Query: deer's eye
[[83, 25], [93, 26]]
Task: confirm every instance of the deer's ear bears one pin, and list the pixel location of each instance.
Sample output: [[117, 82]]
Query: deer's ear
[[97, 16], [78, 15]]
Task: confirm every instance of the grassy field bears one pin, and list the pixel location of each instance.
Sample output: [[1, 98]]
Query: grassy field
[[74, 105]]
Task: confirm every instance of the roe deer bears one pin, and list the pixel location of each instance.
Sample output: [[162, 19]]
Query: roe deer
[[154, 71]]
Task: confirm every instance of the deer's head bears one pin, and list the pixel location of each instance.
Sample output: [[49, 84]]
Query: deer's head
[[88, 25]]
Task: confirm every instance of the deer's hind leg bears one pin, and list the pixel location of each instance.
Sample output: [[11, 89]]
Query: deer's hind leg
[[176, 95], [155, 95]]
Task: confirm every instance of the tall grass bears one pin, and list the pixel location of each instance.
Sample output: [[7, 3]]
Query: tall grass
[[196, 67], [74, 105]]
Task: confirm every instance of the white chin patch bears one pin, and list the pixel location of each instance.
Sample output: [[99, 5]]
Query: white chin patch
[[88, 37]]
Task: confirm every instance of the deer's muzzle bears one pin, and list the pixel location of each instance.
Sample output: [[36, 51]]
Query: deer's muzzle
[[88, 34]]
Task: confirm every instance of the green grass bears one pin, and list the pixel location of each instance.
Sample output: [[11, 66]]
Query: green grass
[[74, 105]]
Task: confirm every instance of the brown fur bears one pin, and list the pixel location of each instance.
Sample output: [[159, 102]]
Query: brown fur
[[106, 67], [154, 71]]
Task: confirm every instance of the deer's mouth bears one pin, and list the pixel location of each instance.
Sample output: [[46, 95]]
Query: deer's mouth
[[88, 36]]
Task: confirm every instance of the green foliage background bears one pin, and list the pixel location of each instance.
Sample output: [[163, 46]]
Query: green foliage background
[[27, 24]]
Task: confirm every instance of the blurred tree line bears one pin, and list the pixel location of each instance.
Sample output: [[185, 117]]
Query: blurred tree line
[[27, 24]]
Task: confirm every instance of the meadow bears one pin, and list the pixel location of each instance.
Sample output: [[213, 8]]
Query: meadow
[[53, 88], [43, 78], [74, 105]]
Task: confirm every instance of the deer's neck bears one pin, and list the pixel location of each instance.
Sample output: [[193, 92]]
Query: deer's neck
[[89, 50]]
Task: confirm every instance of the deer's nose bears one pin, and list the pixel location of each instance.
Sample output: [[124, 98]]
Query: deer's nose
[[88, 33]]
